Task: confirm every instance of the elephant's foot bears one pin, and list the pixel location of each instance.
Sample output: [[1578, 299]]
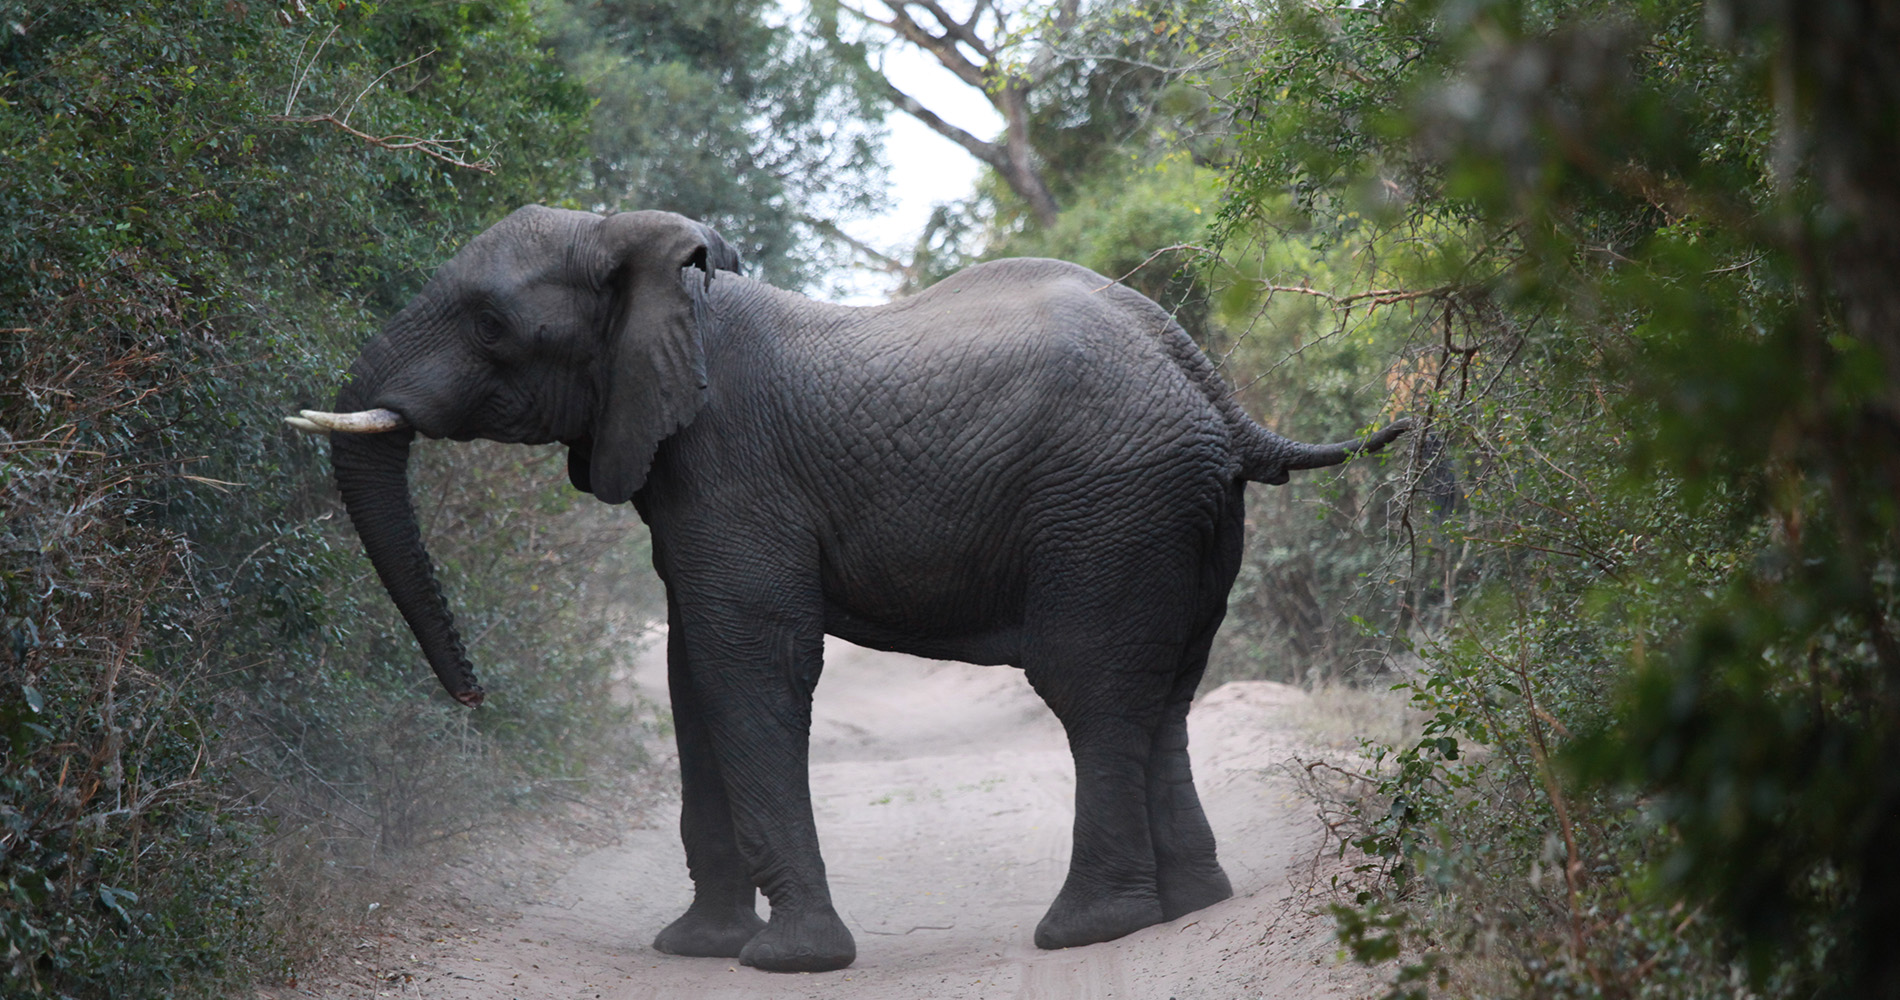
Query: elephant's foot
[[1072, 921], [815, 941], [710, 932], [1186, 889]]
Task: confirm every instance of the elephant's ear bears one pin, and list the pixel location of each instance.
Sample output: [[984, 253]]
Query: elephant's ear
[[654, 376]]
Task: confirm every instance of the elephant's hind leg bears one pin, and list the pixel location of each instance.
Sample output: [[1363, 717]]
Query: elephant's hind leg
[[724, 913], [1110, 701], [1187, 873]]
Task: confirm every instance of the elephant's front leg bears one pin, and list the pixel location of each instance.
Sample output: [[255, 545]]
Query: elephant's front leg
[[724, 914], [753, 675]]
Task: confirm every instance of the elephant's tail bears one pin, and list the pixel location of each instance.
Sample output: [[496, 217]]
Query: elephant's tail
[[1267, 457]]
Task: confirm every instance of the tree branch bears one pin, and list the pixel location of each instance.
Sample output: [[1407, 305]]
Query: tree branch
[[960, 30], [1197, 248], [988, 152], [438, 149], [883, 260], [1378, 296], [1005, 87], [1070, 55], [941, 46], [372, 84], [296, 85]]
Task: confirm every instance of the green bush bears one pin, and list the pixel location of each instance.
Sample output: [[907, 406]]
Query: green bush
[[1661, 745], [192, 668]]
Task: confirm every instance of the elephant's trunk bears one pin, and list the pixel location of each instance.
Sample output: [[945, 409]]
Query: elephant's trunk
[[372, 473]]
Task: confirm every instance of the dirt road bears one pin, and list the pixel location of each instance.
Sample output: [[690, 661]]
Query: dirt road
[[943, 796]]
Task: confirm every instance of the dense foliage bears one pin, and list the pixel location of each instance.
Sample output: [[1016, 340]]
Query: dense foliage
[[1632, 263], [1634, 246], [181, 264], [205, 700]]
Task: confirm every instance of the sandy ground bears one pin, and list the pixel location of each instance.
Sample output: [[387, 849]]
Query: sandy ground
[[943, 795]]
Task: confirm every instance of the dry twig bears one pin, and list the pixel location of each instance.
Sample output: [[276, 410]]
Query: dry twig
[[438, 149], [435, 148]]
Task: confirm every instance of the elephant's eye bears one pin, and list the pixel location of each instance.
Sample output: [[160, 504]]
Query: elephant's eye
[[489, 328]]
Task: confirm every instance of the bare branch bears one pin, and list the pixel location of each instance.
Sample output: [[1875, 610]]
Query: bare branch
[[297, 84], [1206, 61], [372, 84], [438, 149], [941, 46], [1197, 248], [884, 261], [1378, 296], [866, 17], [962, 31], [988, 152], [1750, 262], [1005, 86], [435, 148]]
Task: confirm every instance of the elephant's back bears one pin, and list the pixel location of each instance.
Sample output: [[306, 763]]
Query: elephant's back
[[952, 452], [1040, 361], [1037, 365], [951, 438]]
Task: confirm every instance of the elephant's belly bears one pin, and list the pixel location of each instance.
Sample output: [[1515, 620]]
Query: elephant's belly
[[991, 646], [956, 600]]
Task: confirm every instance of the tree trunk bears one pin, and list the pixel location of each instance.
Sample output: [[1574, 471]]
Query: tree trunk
[[1019, 168]]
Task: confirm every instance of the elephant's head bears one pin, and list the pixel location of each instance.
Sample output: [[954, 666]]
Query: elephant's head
[[550, 326]]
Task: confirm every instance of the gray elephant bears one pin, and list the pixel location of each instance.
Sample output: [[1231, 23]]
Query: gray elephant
[[1026, 464]]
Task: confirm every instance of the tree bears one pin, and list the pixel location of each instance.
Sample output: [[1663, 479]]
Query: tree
[[1070, 83], [983, 50], [712, 111]]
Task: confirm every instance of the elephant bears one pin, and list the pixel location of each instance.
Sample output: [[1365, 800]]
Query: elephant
[[1025, 464]]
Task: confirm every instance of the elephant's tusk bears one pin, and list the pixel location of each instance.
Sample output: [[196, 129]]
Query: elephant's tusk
[[361, 422]]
